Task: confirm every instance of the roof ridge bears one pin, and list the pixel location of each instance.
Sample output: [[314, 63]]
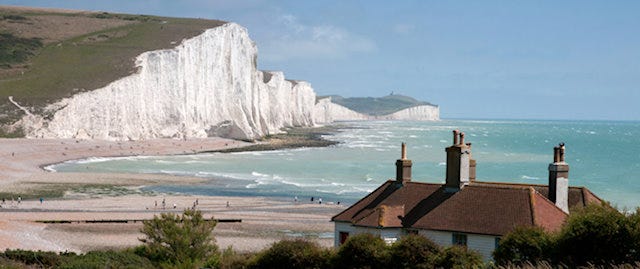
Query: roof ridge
[[423, 183], [361, 199], [545, 198], [500, 186], [532, 205], [372, 211], [516, 184]]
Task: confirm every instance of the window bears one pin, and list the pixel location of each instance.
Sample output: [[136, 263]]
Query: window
[[343, 237], [412, 232], [459, 239]]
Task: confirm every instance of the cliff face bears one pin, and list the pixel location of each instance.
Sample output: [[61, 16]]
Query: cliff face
[[326, 112], [425, 112], [207, 86]]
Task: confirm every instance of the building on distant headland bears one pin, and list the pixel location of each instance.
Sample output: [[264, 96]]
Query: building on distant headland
[[462, 211]]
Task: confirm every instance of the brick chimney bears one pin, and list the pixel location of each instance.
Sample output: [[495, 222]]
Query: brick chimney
[[472, 165], [559, 179], [403, 167], [458, 164]]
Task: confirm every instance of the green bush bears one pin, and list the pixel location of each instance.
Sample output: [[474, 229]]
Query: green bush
[[229, 259], [596, 234], [39, 258], [107, 260], [179, 240], [292, 254], [459, 257], [362, 251], [16, 49], [414, 251], [524, 245]]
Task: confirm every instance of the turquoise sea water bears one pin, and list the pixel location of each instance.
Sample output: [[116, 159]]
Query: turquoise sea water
[[604, 156]]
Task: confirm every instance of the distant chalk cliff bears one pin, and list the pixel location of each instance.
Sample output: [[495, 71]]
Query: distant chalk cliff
[[207, 86], [326, 111]]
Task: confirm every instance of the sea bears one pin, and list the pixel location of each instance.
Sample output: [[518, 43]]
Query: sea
[[603, 156]]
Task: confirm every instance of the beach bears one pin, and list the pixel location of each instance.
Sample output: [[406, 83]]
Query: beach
[[117, 196]]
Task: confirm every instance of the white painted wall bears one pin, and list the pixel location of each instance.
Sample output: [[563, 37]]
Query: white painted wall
[[389, 235], [484, 244]]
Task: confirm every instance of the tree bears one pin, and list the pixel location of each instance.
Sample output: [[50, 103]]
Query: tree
[[522, 245], [414, 251], [459, 257], [362, 251], [183, 241], [292, 254], [634, 227], [597, 234]]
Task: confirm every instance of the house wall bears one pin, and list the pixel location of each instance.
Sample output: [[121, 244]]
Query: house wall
[[389, 235], [484, 244]]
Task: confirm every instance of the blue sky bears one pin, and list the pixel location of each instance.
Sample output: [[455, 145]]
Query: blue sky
[[476, 59]]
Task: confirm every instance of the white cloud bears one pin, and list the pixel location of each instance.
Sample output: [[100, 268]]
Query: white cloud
[[291, 39]]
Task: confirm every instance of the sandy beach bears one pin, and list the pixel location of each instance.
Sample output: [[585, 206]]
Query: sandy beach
[[263, 221]]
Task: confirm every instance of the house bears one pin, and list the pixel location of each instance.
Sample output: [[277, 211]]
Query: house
[[462, 211]]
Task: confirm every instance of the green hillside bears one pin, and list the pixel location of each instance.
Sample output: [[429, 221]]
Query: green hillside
[[39, 66], [377, 106]]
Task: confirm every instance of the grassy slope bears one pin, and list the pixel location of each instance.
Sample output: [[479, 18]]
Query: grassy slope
[[92, 60], [378, 106]]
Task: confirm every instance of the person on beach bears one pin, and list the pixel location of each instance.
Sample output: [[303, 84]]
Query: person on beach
[[227, 203], [311, 198], [19, 199], [41, 200], [163, 204], [319, 200], [295, 199], [155, 204]]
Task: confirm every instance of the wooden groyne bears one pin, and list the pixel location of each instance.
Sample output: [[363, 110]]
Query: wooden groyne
[[120, 221]]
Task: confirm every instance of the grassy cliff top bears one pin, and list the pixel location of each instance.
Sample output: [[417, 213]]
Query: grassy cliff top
[[49, 54], [377, 106]]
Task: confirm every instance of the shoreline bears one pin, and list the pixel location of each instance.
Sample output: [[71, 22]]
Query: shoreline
[[109, 195]]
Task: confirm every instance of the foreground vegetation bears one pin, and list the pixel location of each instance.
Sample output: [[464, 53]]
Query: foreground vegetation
[[597, 236]]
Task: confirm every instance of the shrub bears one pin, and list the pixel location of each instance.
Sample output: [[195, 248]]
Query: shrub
[[182, 240], [362, 251], [524, 245], [596, 234], [414, 251], [292, 254], [39, 258], [634, 229], [229, 259], [15, 49], [106, 260], [459, 257]]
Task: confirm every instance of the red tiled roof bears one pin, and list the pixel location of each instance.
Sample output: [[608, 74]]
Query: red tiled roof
[[481, 207]]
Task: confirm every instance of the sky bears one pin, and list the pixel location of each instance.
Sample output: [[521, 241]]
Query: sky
[[510, 59]]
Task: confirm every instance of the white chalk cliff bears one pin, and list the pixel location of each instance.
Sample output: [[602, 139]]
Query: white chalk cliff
[[326, 112], [206, 86], [424, 112], [209, 85]]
